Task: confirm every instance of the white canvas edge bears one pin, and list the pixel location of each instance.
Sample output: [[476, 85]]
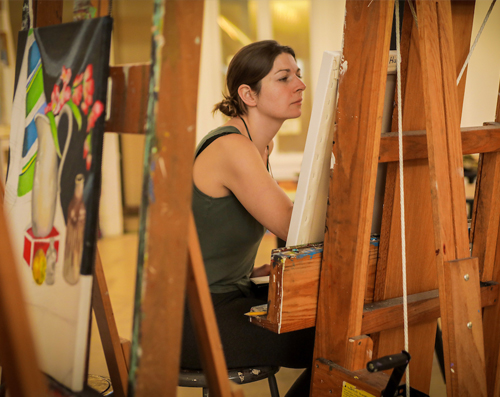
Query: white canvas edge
[[316, 161]]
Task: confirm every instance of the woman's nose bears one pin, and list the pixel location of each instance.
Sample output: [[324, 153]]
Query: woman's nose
[[301, 86]]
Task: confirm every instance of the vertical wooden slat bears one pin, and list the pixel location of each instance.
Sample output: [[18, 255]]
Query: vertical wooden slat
[[421, 268], [447, 189], [485, 203], [359, 114], [204, 321], [443, 130], [128, 105], [47, 12], [163, 251], [101, 303], [486, 210], [486, 214], [466, 342]]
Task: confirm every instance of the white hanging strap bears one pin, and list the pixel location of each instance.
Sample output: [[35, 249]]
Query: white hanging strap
[[401, 192], [476, 40], [32, 21], [412, 9]]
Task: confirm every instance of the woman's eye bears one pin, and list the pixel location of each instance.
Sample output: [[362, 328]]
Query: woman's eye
[[284, 78]]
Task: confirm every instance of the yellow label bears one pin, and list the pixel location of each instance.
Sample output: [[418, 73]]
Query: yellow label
[[349, 390]]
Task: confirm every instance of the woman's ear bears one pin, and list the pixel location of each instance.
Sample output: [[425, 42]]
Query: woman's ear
[[247, 95]]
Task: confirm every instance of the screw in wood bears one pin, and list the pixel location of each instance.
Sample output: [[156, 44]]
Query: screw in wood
[[466, 277], [469, 325]]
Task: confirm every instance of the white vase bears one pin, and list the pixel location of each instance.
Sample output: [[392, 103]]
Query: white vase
[[47, 173]]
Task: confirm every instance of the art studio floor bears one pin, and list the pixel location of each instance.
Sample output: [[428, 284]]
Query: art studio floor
[[119, 258]]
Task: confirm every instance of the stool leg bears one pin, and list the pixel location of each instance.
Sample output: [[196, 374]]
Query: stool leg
[[273, 386], [205, 392]]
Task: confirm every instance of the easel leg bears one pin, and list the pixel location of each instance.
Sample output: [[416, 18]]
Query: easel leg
[[491, 315], [111, 343], [207, 333], [459, 303]]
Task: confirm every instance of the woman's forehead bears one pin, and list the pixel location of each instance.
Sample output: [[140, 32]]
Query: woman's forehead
[[284, 61]]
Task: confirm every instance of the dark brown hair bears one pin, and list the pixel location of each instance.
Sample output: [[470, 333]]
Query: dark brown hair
[[249, 66]]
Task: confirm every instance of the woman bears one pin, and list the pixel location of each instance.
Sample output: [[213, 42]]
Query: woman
[[235, 200]]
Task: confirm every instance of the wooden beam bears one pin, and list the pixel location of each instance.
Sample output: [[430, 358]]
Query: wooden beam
[[170, 142], [422, 307], [334, 380], [294, 290], [466, 347], [47, 12], [486, 214], [111, 343], [448, 198], [129, 98], [359, 114], [420, 247], [204, 321], [483, 139], [485, 205]]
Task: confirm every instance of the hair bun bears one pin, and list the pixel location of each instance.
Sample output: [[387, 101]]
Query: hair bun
[[228, 106]]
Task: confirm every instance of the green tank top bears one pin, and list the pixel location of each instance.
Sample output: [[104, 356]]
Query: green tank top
[[229, 235]]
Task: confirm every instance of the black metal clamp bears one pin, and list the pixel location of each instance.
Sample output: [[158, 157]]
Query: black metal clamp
[[399, 362]]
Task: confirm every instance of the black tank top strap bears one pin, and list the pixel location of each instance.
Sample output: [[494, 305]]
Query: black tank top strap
[[204, 144]]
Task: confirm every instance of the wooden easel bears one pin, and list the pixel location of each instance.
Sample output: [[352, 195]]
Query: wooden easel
[[463, 346], [174, 132], [443, 280]]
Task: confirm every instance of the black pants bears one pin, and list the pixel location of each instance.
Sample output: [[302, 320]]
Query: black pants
[[246, 344]]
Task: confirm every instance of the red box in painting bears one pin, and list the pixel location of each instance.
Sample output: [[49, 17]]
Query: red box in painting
[[32, 244]]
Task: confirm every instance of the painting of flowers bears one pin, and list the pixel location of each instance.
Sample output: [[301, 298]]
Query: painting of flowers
[[53, 183]]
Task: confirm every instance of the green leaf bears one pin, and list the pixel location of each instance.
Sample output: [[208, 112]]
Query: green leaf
[[53, 129], [89, 141], [76, 113]]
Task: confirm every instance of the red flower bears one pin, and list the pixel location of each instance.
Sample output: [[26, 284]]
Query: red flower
[[88, 72], [96, 111], [66, 94], [77, 95], [85, 108], [65, 76], [78, 80], [85, 148], [89, 161], [55, 94]]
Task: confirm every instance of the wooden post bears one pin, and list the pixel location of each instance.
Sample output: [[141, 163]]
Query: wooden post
[[463, 351], [359, 116], [204, 321], [112, 346], [165, 210], [421, 267], [47, 12], [486, 207]]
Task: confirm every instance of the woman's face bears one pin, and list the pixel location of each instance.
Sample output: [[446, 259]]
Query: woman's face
[[280, 96]]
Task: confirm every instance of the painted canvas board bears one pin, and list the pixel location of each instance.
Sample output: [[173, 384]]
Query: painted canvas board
[[309, 212], [53, 184]]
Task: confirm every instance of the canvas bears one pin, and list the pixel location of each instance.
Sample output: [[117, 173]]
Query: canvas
[[53, 184]]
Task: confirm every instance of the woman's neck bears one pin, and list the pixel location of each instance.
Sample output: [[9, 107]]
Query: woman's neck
[[261, 131]]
